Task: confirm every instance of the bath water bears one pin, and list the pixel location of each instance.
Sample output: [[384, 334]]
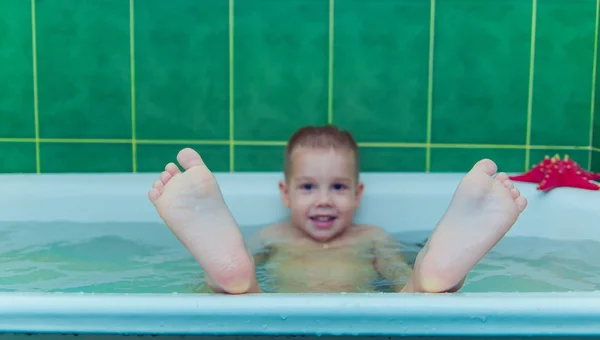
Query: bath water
[[147, 258]]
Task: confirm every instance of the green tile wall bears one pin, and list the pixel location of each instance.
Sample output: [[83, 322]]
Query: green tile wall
[[122, 85]]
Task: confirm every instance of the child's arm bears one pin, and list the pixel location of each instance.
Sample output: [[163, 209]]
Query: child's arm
[[389, 261]]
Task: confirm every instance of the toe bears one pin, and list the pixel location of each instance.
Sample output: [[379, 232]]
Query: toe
[[515, 193], [521, 203], [172, 169], [189, 158], [158, 185], [487, 166], [501, 177], [508, 184], [153, 195], [165, 177]]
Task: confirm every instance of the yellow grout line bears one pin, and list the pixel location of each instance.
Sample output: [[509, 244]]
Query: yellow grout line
[[594, 70], [530, 89], [132, 81], [85, 141], [225, 142], [595, 149], [509, 146], [19, 140], [559, 147], [113, 141], [36, 110], [183, 142], [231, 92], [260, 143], [330, 67], [478, 146], [391, 145], [430, 86]]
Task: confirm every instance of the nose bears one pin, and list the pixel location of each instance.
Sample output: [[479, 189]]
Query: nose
[[324, 198]]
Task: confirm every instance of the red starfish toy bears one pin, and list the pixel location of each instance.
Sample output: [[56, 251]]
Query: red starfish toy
[[554, 172]]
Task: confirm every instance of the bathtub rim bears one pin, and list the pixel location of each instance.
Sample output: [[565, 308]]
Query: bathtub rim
[[122, 198], [478, 314]]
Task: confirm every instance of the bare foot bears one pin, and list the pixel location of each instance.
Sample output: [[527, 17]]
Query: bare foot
[[482, 211], [192, 205]]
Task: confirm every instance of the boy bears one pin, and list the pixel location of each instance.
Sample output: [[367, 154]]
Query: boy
[[320, 249]]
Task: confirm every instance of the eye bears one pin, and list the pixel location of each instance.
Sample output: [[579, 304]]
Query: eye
[[306, 186], [339, 186]]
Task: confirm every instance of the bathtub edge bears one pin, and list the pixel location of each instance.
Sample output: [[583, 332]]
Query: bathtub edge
[[480, 314]]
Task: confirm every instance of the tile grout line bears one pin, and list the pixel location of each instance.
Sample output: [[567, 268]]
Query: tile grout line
[[36, 112], [330, 66], [231, 89], [530, 86], [132, 82], [594, 80], [283, 143], [595, 149], [430, 86]]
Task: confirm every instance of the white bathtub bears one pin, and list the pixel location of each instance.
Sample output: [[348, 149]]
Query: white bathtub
[[419, 199]]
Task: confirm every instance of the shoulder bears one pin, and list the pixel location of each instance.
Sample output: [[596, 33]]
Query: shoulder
[[272, 232], [373, 232]]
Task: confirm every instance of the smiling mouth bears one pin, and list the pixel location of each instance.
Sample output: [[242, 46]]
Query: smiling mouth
[[323, 222], [323, 218]]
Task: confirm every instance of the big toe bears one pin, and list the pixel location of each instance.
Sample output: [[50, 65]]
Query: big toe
[[486, 166], [189, 158]]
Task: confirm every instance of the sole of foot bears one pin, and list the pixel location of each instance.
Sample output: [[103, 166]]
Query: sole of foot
[[483, 209], [192, 206]]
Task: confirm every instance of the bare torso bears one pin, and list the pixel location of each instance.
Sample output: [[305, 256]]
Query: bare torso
[[300, 265]]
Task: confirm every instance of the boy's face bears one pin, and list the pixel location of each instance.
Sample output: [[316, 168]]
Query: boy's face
[[322, 191]]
